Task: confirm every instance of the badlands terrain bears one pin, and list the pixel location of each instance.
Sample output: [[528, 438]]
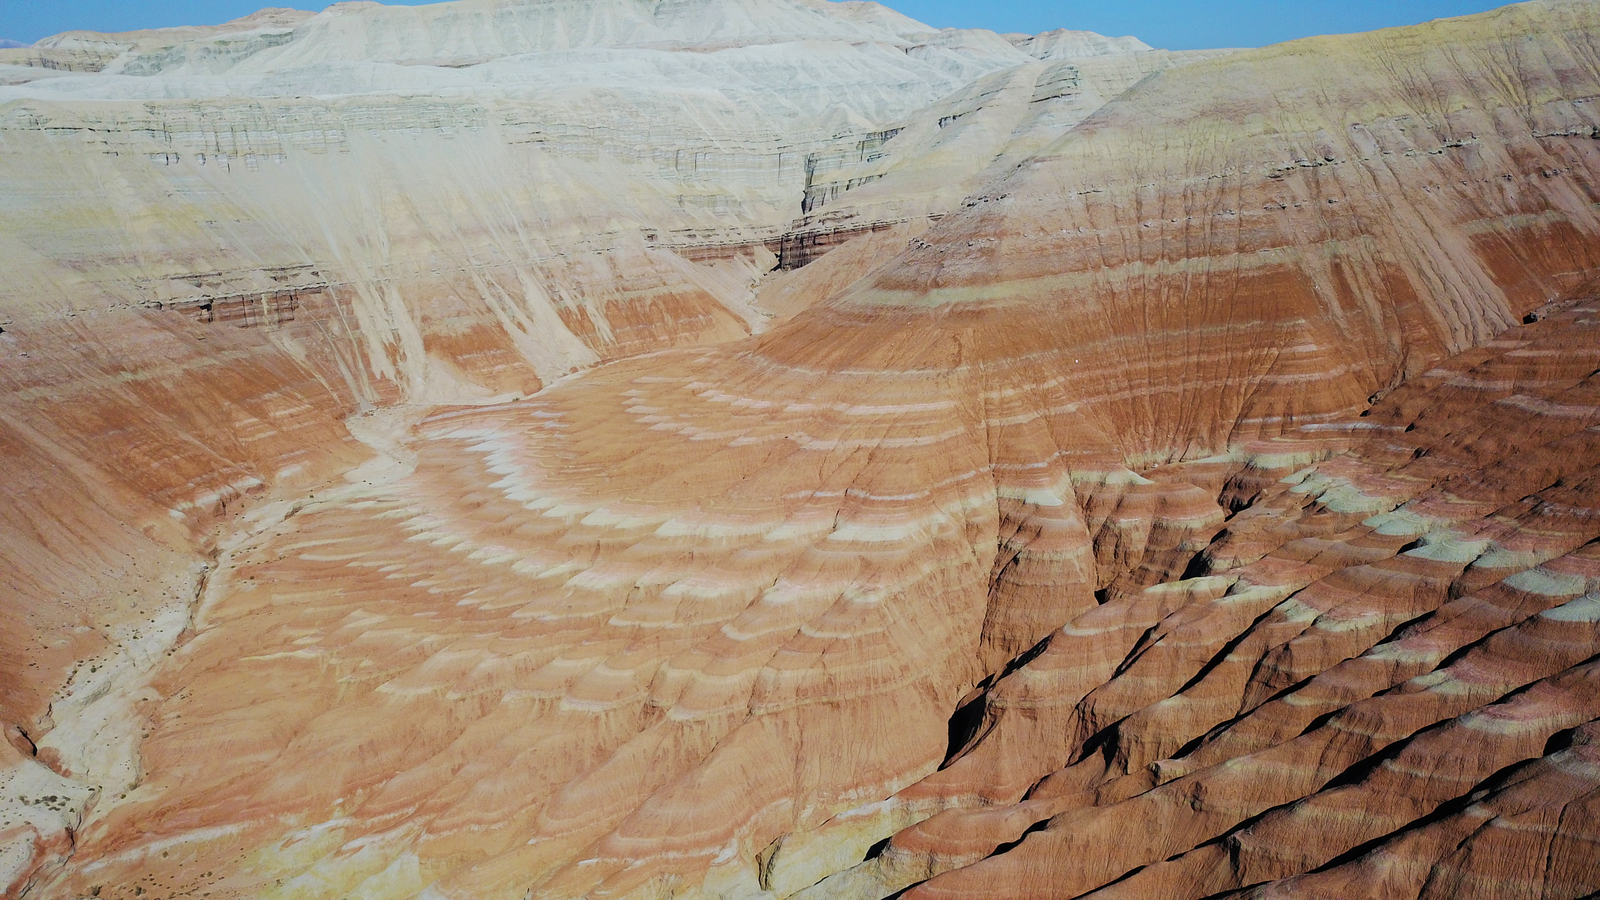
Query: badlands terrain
[[776, 449]]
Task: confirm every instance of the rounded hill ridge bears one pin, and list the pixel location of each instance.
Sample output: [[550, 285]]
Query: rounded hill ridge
[[774, 449]]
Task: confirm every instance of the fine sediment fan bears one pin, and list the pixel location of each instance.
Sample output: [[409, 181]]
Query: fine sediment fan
[[680, 625], [403, 228], [388, 231]]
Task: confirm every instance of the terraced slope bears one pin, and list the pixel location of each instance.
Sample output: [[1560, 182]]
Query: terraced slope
[[217, 244], [1376, 662], [1186, 514]]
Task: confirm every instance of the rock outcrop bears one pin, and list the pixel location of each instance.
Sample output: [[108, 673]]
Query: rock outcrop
[[1152, 474]]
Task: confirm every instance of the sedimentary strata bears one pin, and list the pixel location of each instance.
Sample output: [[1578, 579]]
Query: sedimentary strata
[[1199, 503]]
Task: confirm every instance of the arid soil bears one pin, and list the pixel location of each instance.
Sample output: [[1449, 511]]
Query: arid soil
[[771, 448]]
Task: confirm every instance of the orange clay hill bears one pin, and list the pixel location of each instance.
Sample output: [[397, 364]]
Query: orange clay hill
[[766, 449]]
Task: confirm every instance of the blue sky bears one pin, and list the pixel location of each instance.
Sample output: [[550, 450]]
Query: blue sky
[[1174, 24]]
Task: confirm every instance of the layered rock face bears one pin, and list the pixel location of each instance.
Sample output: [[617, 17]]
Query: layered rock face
[[1183, 490], [1377, 657]]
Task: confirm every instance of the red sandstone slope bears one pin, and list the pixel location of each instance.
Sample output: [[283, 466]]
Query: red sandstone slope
[[695, 623], [386, 230], [1383, 640]]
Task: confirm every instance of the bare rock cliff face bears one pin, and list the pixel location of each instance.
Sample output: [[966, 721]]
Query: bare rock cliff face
[[1143, 474]]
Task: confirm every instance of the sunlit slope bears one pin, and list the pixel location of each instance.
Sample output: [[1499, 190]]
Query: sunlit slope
[[681, 625]]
